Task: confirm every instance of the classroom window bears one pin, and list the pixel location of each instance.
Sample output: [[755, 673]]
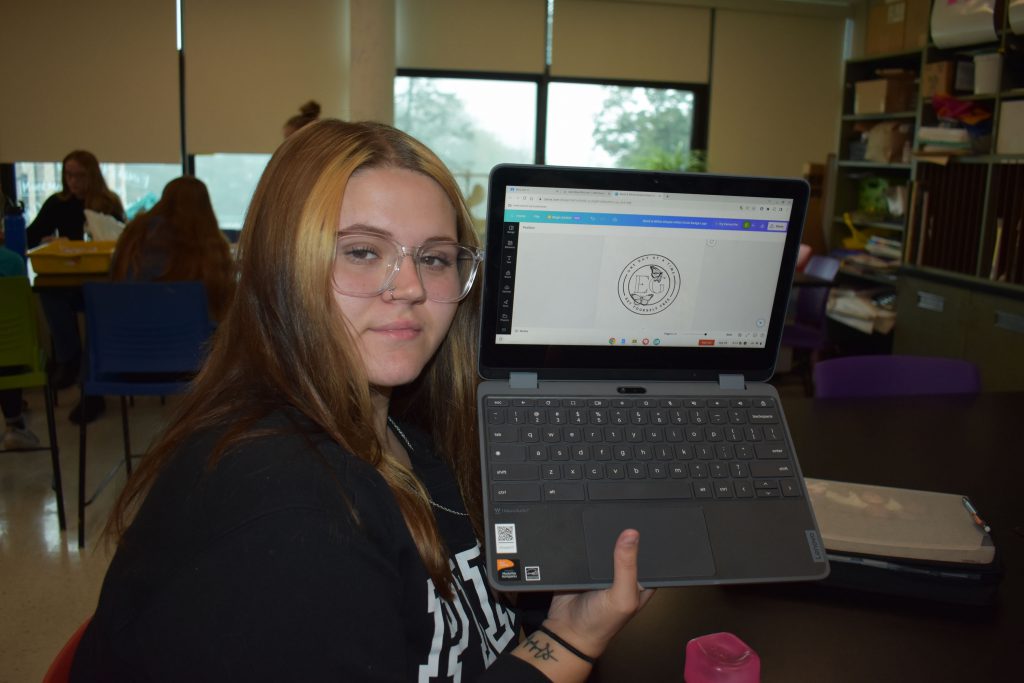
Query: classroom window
[[621, 126], [471, 123], [231, 180], [138, 185]]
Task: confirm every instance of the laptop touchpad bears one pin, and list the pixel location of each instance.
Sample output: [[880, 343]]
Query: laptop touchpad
[[673, 540]]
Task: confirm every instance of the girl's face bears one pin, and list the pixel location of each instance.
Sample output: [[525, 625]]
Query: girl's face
[[76, 178], [399, 330]]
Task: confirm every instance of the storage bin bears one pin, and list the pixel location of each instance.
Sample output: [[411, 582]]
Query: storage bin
[[72, 256]]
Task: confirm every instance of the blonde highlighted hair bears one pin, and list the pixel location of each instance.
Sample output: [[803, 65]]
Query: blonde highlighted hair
[[285, 342]]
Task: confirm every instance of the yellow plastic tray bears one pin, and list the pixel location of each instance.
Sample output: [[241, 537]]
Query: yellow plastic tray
[[72, 256]]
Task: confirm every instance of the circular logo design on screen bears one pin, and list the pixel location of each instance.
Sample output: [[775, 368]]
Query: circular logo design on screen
[[649, 284]]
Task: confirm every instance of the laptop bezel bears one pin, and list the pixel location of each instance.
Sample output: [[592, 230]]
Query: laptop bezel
[[549, 362]]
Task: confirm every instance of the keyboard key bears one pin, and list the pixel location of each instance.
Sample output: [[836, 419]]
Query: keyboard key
[[595, 471], [495, 417], [497, 402], [771, 451], [677, 470], [744, 489], [574, 471], [761, 416], [772, 433], [768, 493], [664, 489], [502, 454], [771, 469], [516, 493], [502, 434], [723, 489], [790, 488], [657, 470], [636, 470], [739, 470], [615, 471], [554, 492], [551, 472], [515, 472], [766, 484], [702, 490]]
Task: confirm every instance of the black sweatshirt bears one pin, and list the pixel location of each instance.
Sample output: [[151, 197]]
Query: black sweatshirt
[[59, 218], [256, 571]]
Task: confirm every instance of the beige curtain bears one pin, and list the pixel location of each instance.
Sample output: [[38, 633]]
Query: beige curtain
[[630, 41], [100, 75]]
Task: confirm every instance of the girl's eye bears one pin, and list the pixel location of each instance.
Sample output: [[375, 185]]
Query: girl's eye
[[360, 253], [437, 260]]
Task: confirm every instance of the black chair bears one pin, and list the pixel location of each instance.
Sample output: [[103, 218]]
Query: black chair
[[142, 339]]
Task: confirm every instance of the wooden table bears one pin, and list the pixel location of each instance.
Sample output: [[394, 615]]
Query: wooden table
[[803, 632]]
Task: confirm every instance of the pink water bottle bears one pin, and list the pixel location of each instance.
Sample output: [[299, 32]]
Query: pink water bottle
[[721, 658]]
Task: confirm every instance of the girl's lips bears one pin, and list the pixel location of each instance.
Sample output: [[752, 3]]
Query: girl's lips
[[399, 330]]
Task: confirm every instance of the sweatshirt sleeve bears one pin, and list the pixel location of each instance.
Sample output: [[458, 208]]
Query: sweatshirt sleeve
[[292, 596], [44, 224]]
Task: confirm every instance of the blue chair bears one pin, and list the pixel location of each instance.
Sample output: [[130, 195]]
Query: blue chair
[[859, 376], [808, 331], [143, 339], [24, 363]]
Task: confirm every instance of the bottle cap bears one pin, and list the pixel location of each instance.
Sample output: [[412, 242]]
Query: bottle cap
[[721, 658]]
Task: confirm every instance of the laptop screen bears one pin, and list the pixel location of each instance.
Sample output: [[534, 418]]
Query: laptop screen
[[637, 269]]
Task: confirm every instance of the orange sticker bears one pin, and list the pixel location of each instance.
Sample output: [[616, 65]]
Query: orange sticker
[[505, 564]]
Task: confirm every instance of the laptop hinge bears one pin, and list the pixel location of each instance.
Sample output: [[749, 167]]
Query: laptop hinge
[[732, 382], [522, 380]]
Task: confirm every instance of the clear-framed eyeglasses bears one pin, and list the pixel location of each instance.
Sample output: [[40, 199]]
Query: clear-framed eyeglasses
[[367, 264]]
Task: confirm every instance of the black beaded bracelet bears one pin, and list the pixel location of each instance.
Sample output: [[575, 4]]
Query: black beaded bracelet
[[567, 646]]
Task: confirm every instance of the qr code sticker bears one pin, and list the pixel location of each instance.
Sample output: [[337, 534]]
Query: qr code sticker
[[532, 573], [505, 538]]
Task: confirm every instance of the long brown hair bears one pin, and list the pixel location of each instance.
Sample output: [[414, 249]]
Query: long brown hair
[[182, 230], [98, 196], [285, 342]]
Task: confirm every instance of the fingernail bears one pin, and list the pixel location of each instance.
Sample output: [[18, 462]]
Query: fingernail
[[631, 539]]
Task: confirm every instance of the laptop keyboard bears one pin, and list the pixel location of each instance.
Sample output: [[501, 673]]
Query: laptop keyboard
[[575, 449]]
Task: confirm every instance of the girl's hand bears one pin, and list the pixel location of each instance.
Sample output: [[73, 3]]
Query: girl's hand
[[589, 620]]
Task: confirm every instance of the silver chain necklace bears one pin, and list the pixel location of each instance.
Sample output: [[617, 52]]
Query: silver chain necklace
[[408, 447]]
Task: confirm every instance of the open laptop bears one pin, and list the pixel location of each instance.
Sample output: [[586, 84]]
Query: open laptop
[[630, 321]]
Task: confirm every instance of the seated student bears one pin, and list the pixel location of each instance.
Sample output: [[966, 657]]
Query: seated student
[[63, 215], [16, 432], [313, 510], [178, 239]]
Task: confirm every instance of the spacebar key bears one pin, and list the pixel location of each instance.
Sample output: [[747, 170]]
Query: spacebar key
[[517, 493], [638, 490]]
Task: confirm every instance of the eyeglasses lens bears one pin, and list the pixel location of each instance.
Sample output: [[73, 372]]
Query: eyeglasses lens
[[364, 264]]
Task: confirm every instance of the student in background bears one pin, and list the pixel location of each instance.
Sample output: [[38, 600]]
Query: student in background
[[313, 510], [179, 239], [308, 113], [16, 432], [63, 215]]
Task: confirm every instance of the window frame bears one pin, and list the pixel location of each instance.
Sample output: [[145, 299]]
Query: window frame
[[701, 93]]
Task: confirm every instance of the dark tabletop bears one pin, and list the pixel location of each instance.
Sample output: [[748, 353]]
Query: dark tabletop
[[804, 632]]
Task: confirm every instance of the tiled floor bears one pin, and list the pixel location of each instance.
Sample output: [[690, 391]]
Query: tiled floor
[[47, 585]]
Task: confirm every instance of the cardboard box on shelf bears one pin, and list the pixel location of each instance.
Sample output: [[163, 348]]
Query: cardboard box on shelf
[[915, 25], [937, 78], [884, 95], [897, 26], [886, 26]]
